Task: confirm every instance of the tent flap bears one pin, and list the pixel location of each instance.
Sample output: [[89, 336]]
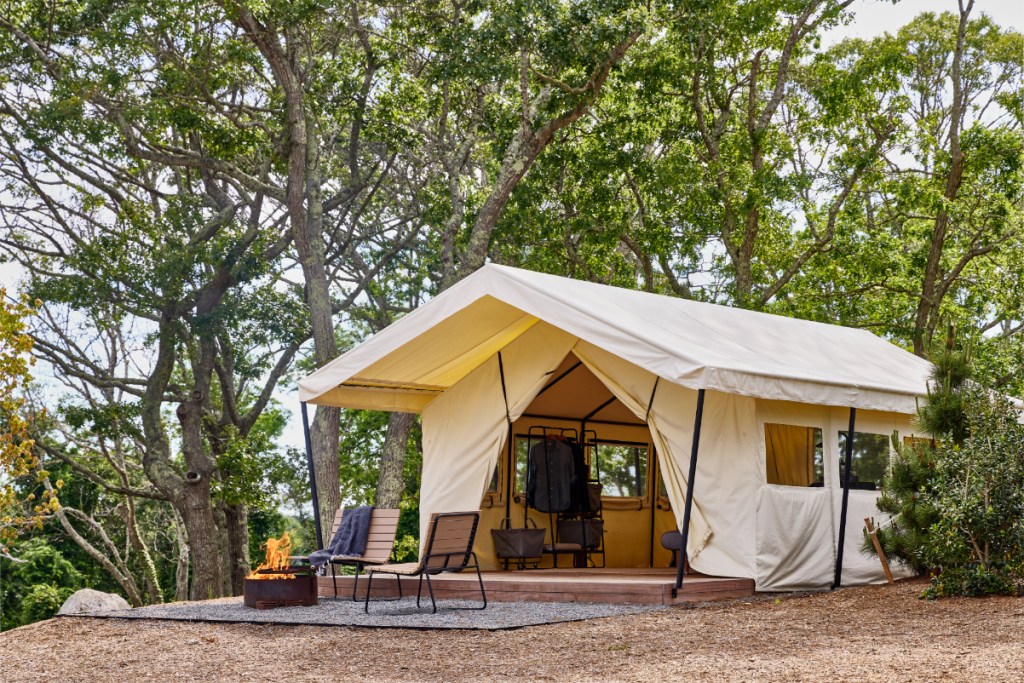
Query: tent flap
[[464, 428]]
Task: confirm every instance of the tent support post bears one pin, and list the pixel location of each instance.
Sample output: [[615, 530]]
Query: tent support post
[[846, 500], [689, 491], [510, 472], [312, 477]]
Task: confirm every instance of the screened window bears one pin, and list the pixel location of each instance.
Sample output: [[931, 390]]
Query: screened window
[[794, 455], [522, 448], [621, 468], [520, 453], [870, 458]]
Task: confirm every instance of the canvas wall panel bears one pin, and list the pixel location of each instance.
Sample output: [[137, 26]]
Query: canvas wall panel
[[795, 546], [726, 483]]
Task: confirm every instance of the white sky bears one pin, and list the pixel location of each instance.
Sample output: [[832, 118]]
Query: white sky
[[875, 17], [871, 18]]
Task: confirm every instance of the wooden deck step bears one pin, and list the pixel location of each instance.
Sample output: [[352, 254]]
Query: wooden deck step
[[632, 586]]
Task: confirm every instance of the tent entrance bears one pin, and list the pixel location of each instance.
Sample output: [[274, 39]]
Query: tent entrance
[[620, 453]]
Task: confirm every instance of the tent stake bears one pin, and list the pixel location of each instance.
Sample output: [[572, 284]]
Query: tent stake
[[689, 490], [846, 500], [873, 532], [312, 477]]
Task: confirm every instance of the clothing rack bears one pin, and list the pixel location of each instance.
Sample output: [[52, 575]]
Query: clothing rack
[[584, 522]]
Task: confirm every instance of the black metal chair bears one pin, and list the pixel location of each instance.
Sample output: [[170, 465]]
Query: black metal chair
[[449, 548]]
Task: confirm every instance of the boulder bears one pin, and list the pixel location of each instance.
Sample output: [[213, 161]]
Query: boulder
[[88, 600]]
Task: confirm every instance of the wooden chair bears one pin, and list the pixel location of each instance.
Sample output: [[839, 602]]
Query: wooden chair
[[449, 548], [383, 526]]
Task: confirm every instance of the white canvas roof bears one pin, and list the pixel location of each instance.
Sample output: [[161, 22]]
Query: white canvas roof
[[692, 344]]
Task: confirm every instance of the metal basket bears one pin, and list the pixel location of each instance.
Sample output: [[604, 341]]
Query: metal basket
[[586, 533], [518, 543]]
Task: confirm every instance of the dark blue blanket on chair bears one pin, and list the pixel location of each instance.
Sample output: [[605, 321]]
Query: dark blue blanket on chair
[[350, 538]]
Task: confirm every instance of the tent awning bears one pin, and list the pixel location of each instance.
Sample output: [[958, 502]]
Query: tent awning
[[693, 344]]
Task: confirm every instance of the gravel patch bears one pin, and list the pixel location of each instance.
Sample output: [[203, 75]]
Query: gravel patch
[[498, 616]]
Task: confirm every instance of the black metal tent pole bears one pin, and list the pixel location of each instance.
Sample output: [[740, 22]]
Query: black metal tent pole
[[846, 500], [510, 472], [689, 489], [651, 469], [312, 477]]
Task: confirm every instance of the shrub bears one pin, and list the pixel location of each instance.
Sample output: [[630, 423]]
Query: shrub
[[42, 602], [977, 540], [958, 503]]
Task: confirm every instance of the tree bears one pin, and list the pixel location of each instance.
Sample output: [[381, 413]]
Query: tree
[[18, 458], [909, 489], [128, 257], [36, 587], [486, 122], [957, 501], [268, 106], [722, 164], [937, 238]]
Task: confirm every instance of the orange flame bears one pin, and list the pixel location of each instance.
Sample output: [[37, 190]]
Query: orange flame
[[278, 552]]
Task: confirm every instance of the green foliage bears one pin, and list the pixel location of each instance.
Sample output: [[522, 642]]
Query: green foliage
[[958, 502], [977, 542], [253, 467], [42, 602], [18, 457], [359, 454], [907, 497], [37, 586], [944, 411]]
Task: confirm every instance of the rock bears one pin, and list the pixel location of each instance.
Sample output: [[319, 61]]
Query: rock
[[88, 600]]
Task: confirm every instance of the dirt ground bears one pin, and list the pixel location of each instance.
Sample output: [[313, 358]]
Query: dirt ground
[[864, 634]]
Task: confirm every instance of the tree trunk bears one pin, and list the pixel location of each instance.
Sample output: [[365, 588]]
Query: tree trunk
[[390, 483], [238, 545], [220, 518], [145, 558], [932, 289], [116, 569], [203, 540], [181, 573]]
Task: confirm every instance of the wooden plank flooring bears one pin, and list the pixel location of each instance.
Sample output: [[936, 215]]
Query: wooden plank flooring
[[635, 586]]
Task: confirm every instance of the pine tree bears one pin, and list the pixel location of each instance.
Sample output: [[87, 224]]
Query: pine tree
[[908, 494]]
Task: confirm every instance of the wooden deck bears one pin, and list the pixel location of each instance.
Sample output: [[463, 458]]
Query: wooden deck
[[633, 586]]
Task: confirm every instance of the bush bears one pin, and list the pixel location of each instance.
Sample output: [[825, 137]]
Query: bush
[[36, 587], [42, 602], [958, 503], [977, 540]]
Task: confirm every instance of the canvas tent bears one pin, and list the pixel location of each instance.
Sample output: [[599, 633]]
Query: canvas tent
[[474, 359]]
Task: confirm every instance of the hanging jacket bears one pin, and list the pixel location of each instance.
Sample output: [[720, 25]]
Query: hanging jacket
[[549, 476]]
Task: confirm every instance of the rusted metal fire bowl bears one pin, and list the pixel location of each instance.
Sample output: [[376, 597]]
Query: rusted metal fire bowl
[[289, 589]]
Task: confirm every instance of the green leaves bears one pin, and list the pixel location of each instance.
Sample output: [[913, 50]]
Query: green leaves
[[979, 497]]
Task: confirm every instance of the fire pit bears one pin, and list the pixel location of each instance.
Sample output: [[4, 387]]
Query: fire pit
[[282, 580]]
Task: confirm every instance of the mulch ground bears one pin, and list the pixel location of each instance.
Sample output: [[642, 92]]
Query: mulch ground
[[865, 634]]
